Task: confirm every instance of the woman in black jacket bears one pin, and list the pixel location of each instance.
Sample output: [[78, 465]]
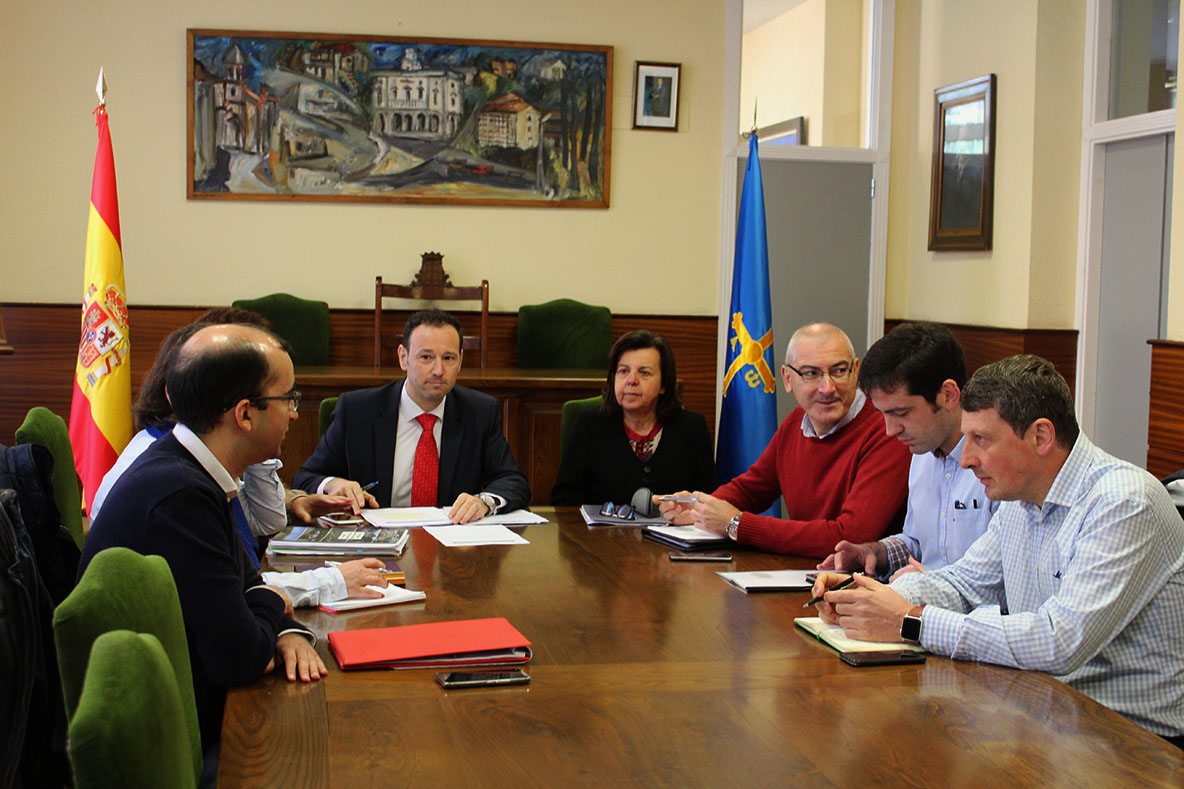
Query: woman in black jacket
[[641, 436]]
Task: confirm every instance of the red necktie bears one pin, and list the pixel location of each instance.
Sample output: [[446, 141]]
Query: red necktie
[[427, 462]]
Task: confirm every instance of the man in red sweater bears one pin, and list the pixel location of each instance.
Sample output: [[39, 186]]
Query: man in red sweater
[[839, 473]]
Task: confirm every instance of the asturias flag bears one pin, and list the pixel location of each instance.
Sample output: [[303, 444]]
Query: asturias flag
[[748, 414], [101, 414]]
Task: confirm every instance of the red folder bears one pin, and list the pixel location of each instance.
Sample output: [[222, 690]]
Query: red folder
[[467, 642]]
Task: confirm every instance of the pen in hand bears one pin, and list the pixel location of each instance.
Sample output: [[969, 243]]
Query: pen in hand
[[836, 587], [371, 485]]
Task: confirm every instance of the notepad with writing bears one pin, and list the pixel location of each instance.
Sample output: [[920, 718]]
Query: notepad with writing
[[457, 644], [833, 636]]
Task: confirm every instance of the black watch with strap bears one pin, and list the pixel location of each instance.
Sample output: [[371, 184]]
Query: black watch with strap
[[910, 627]]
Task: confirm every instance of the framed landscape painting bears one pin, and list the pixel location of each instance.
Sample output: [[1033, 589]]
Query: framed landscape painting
[[305, 116]]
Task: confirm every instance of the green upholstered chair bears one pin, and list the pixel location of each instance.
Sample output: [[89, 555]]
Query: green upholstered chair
[[567, 417], [564, 334], [44, 427], [303, 323], [129, 729], [122, 590], [325, 414]]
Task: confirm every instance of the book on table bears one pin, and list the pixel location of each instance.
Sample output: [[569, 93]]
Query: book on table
[[834, 637], [347, 540], [456, 644]]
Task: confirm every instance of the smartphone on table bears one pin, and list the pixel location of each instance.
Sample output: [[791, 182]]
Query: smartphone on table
[[340, 519], [450, 680], [887, 657]]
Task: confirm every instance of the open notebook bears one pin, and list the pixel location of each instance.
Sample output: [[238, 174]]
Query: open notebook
[[832, 636]]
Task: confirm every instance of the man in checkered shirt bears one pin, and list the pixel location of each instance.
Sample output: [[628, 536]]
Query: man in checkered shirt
[[1080, 573]]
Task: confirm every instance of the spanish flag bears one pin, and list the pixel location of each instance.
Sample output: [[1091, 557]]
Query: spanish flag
[[101, 414]]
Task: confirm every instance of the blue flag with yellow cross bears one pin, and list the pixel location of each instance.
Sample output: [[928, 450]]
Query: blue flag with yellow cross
[[748, 413]]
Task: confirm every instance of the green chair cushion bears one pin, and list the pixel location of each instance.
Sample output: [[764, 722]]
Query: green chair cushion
[[122, 590], [567, 417], [325, 414], [303, 323], [129, 730], [44, 427], [564, 333]]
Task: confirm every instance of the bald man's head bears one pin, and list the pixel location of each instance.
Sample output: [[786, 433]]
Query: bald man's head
[[219, 366], [816, 334]]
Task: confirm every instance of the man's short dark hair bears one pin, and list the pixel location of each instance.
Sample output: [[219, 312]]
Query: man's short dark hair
[[920, 355], [432, 317], [668, 401], [152, 408], [203, 385], [1022, 389]]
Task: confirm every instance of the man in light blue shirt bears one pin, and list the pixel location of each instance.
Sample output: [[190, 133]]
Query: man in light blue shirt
[[1080, 573], [914, 376]]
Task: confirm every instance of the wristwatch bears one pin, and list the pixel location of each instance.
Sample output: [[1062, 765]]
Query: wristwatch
[[910, 628], [489, 501], [732, 527]]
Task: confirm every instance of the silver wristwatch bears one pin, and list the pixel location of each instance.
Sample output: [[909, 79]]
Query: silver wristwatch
[[732, 527], [489, 501]]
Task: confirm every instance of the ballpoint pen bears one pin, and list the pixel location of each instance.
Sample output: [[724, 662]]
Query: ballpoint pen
[[367, 487], [836, 587]]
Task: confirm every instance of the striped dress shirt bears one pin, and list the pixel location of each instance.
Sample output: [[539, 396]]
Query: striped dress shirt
[[1088, 587]]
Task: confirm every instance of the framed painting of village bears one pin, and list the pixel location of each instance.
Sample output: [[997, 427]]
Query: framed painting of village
[[318, 117]]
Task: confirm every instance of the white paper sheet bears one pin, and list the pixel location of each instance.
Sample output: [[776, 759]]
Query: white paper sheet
[[475, 534]]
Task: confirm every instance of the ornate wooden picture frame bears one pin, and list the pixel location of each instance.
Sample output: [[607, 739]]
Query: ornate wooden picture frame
[[309, 116], [961, 204]]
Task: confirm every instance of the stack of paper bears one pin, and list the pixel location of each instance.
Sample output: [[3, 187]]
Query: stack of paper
[[390, 596], [417, 517], [366, 541], [406, 517]]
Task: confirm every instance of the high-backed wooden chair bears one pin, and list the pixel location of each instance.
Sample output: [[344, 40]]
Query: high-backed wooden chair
[[431, 284]]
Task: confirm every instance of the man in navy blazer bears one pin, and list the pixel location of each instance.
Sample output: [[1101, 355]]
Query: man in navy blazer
[[231, 388], [375, 432]]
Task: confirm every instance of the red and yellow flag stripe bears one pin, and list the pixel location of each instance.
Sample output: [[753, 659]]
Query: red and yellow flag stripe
[[100, 415]]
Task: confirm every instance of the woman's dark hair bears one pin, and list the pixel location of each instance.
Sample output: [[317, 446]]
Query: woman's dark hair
[[669, 401]]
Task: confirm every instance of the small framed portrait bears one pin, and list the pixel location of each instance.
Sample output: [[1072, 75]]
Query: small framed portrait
[[655, 95], [962, 192]]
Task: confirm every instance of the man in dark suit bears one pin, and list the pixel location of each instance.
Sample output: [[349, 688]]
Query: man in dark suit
[[231, 391], [423, 441]]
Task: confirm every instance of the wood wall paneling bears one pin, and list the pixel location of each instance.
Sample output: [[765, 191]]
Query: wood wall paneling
[[1165, 423], [41, 370], [986, 344], [45, 337]]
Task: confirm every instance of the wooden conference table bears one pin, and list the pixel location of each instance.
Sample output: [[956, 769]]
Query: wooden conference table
[[532, 401], [651, 672]]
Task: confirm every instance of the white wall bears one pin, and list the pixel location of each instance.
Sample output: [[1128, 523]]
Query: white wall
[[654, 250]]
